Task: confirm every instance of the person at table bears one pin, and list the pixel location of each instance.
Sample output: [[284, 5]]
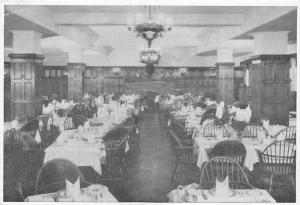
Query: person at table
[[242, 118]]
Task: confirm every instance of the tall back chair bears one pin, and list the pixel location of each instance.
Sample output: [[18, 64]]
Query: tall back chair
[[252, 131], [68, 124], [212, 130], [219, 168], [232, 149], [115, 157], [10, 139], [12, 147], [51, 177], [278, 159], [289, 133]]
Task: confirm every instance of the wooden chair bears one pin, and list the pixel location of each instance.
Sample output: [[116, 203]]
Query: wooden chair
[[278, 159], [252, 131], [232, 149], [51, 177], [115, 158], [12, 148], [211, 130], [289, 133], [32, 125], [68, 124], [186, 156], [208, 117], [221, 167]]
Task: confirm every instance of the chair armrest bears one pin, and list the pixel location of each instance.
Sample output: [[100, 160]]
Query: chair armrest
[[258, 152]]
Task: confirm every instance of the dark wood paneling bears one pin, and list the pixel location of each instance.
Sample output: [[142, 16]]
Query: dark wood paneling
[[225, 84], [26, 85], [55, 82], [75, 80], [269, 87]]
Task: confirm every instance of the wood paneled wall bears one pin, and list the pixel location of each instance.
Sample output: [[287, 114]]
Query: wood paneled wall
[[103, 79], [55, 81], [269, 87], [26, 75]]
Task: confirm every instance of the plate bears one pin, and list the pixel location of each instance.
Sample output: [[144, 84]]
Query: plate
[[213, 190]]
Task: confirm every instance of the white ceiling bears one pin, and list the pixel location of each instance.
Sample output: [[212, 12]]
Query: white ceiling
[[103, 29]]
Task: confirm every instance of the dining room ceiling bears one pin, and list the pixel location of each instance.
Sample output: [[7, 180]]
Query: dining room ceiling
[[97, 28]]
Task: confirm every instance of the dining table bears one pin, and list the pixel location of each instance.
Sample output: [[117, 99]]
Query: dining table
[[92, 193], [208, 196], [84, 147]]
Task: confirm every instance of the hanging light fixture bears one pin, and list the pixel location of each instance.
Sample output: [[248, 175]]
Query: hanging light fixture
[[149, 29], [152, 27]]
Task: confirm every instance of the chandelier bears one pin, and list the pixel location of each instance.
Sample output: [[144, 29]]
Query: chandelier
[[149, 56], [149, 29]]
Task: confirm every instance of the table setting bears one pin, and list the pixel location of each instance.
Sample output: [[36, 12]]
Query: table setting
[[251, 144], [221, 192], [73, 193]]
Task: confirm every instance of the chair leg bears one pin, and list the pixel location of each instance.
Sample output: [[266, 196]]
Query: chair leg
[[293, 182], [271, 183], [174, 172]]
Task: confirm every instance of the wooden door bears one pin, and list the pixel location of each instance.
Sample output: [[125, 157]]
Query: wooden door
[[22, 89]]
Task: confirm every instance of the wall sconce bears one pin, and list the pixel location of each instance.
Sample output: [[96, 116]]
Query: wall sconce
[[116, 70], [183, 71], [65, 72]]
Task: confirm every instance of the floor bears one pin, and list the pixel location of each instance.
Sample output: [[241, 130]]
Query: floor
[[149, 175]]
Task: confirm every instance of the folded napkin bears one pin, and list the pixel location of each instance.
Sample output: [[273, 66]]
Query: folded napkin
[[49, 123], [87, 126], [41, 124], [38, 137], [15, 123], [222, 188], [73, 190]]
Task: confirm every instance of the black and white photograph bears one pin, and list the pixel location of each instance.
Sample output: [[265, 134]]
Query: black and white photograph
[[151, 101]]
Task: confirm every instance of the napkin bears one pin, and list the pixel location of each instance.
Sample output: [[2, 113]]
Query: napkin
[[87, 126], [38, 137], [222, 188], [15, 123], [49, 123], [41, 124], [73, 189], [80, 129], [169, 122]]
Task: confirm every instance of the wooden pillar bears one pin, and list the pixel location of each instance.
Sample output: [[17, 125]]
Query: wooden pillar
[[225, 82], [26, 84], [75, 80], [269, 87]]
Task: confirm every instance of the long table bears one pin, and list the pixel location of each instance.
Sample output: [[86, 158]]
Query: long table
[[75, 146]]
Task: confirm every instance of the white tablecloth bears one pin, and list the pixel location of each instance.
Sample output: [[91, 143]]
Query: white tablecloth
[[83, 153], [85, 196], [79, 152], [241, 196], [251, 157]]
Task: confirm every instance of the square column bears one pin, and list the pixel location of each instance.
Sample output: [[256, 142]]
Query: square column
[[225, 82], [269, 87], [75, 80]]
